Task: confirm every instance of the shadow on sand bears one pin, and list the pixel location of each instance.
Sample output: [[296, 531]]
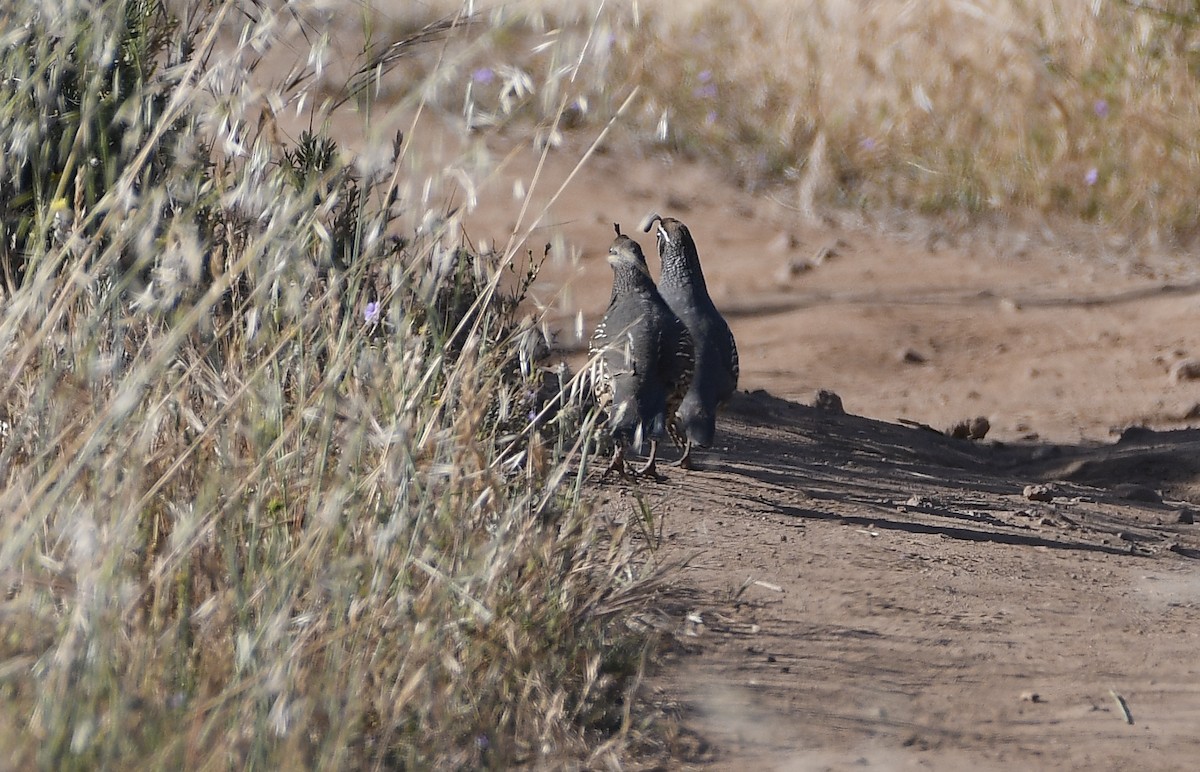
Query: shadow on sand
[[1131, 497]]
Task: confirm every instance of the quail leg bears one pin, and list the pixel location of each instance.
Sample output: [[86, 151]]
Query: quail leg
[[617, 464], [650, 469], [685, 461]]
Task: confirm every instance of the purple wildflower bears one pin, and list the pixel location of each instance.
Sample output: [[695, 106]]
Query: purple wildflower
[[705, 76], [1092, 175], [711, 118], [707, 91], [371, 312], [1101, 108], [867, 143], [484, 75]]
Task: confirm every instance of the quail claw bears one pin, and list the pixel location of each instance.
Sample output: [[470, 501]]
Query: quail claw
[[685, 461], [650, 468], [617, 465]]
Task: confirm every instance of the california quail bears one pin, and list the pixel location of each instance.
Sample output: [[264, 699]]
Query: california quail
[[716, 358], [643, 354]]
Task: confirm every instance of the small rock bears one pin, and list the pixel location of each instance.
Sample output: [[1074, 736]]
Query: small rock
[[1009, 305], [912, 357], [830, 402], [1031, 697], [973, 429], [1186, 517], [827, 252], [959, 431], [916, 501], [793, 268], [1039, 492], [1185, 370], [1135, 433]]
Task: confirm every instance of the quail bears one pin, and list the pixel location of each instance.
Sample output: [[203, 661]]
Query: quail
[[643, 354], [715, 374]]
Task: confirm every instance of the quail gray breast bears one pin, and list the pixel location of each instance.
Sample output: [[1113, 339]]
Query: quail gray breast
[[643, 354], [715, 374]]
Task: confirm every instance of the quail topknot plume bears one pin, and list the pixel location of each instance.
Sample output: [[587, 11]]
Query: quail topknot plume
[[715, 374], [643, 353]]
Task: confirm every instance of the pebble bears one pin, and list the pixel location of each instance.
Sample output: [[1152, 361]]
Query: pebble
[[830, 402], [793, 268], [973, 429], [1039, 492], [1185, 370]]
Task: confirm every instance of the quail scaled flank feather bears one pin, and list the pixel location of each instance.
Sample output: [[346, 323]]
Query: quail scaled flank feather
[[716, 359], [643, 354]]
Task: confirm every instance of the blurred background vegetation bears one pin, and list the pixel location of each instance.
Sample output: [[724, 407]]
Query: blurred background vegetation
[[1081, 109]]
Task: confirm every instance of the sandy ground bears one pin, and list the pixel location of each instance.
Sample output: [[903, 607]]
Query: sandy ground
[[858, 591]]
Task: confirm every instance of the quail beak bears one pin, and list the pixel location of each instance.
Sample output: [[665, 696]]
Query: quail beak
[[662, 234]]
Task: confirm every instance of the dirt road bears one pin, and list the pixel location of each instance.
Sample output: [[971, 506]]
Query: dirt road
[[873, 594]]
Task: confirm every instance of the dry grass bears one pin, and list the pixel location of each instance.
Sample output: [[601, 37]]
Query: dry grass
[[1087, 110], [285, 485]]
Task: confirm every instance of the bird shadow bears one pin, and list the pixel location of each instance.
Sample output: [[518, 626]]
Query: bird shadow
[[1135, 496]]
